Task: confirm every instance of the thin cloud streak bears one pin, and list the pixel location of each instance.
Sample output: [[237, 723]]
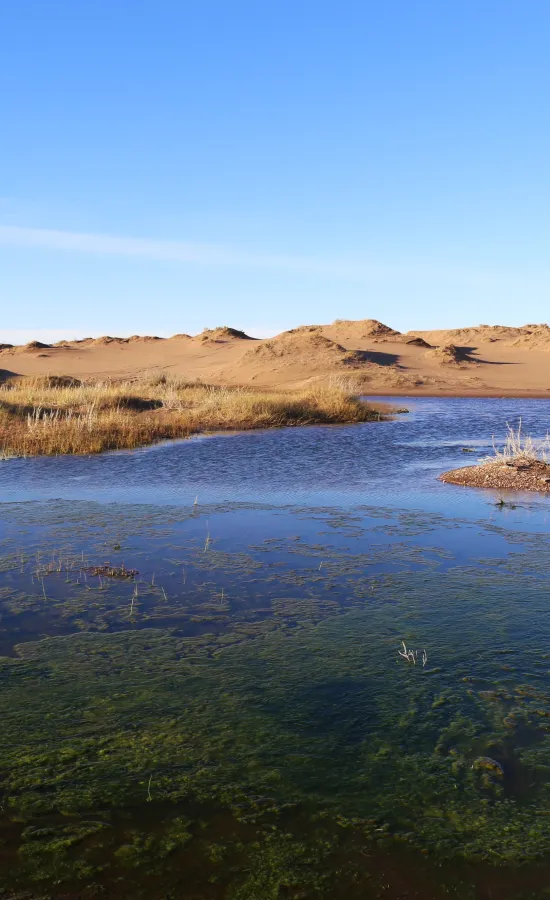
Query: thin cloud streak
[[404, 272], [179, 251]]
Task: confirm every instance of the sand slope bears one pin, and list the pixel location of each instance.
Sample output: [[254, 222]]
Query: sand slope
[[483, 360]]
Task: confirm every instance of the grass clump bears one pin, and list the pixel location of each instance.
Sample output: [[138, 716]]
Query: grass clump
[[519, 447], [55, 415]]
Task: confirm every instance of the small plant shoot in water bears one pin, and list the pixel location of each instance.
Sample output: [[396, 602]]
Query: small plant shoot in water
[[412, 655]]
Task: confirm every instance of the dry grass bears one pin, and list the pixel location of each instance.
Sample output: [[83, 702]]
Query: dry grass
[[53, 415], [518, 447]]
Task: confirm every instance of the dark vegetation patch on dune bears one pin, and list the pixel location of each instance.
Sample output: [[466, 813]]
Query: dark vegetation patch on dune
[[223, 333], [450, 354], [32, 346]]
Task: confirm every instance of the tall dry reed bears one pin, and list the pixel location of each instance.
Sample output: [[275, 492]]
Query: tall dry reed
[[53, 415], [518, 446]]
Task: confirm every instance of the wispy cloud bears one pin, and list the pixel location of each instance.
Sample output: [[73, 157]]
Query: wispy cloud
[[179, 251], [401, 272]]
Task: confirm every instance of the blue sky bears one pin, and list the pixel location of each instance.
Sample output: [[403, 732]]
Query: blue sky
[[167, 165]]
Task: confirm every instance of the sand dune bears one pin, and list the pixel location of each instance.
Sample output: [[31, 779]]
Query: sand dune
[[451, 355], [482, 360], [535, 336]]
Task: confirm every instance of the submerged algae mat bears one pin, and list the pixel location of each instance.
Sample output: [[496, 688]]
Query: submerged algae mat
[[236, 721]]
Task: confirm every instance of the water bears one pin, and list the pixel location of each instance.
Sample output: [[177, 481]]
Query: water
[[393, 462], [236, 721]]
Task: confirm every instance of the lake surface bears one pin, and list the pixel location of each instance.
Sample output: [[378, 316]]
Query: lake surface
[[202, 694]]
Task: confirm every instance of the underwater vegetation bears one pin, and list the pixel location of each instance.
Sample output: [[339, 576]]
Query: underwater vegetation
[[218, 719]]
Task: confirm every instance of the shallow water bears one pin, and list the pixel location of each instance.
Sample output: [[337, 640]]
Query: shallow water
[[394, 462], [236, 721]]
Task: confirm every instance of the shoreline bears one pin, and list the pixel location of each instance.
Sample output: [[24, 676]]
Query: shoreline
[[517, 394], [503, 475], [55, 417]]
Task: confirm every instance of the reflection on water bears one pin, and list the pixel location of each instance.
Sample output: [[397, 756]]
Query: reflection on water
[[235, 721]]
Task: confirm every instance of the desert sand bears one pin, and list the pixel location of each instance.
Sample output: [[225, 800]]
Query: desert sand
[[486, 360]]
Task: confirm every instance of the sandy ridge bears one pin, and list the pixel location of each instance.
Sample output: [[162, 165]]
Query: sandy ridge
[[485, 360]]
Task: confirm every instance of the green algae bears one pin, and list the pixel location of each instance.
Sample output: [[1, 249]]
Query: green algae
[[149, 849], [45, 852], [313, 719], [279, 863], [266, 683]]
